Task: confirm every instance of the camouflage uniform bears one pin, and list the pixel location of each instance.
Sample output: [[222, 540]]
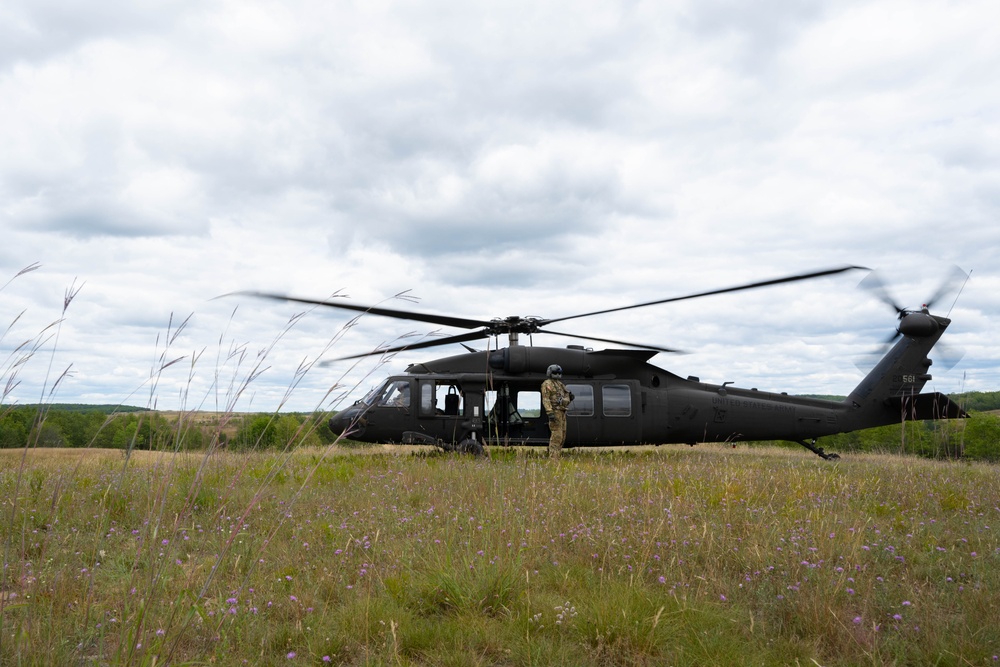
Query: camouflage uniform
[[556, 399]]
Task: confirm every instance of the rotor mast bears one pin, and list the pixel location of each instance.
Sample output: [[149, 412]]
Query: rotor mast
[[514, 326]]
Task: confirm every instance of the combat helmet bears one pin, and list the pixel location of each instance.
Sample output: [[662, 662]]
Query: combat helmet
[[554, 371]]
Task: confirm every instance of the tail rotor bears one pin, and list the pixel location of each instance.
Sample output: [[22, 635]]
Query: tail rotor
[[947, 355]]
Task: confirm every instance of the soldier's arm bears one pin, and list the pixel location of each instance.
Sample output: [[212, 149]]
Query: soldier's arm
[[546, 398]]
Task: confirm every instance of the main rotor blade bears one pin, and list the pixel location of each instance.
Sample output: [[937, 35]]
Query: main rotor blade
[[443, 320], [765, 283], [460, 338], [615, 342]]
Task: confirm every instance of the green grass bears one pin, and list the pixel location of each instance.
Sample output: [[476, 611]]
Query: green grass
[[672, 556], [176, 550]]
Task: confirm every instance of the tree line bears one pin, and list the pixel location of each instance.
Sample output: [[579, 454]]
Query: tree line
[[117, 427], [112, 428], [975, 438]]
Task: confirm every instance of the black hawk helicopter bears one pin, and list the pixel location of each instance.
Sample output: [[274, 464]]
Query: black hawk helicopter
[[482, 398]]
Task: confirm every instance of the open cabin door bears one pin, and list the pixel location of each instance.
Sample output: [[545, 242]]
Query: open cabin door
[[514, 414], [602, 413], [442, 409]]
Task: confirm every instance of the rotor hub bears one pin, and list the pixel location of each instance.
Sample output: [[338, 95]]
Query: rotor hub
[[514, 324], [918, 325]]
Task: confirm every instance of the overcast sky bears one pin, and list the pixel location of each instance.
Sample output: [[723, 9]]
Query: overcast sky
[[489, 159]]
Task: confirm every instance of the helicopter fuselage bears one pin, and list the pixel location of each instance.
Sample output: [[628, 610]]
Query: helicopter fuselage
[[619, 399], [492, 398]]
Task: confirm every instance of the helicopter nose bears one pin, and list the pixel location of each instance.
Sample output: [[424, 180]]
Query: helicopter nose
[[338, 424], [347, 422]]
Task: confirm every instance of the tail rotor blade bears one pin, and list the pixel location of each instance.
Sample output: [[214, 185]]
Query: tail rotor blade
[[948, 356], [952, 282], [874, 284], [869, 359]]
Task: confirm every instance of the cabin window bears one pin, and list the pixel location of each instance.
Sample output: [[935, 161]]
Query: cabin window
[[450, 399], [512, 405], [427, 406], [583, 400], [617, 400], [441, 398], [529, 404]]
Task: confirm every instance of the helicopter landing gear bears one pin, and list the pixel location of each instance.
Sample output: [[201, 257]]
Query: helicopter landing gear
[[818, 451], [471, 446], [467, 445]]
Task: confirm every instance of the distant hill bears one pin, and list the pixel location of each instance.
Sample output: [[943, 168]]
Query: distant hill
[[978, 401], [83, 408]]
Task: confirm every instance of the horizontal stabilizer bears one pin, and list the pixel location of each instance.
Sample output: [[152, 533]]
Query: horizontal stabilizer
[[927, 406]]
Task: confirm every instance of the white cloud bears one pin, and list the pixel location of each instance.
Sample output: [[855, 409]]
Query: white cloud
[[496, 159]]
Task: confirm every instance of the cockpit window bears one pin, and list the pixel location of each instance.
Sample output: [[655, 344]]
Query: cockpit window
[[396, 395], [372, 396]]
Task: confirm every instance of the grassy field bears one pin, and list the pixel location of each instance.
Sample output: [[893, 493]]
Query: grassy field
[[668, 556]]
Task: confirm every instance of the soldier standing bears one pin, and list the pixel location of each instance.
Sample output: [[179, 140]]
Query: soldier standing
[[555, 399]]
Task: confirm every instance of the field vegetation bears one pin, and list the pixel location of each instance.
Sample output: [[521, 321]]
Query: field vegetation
[[147, 538], [335, 556]]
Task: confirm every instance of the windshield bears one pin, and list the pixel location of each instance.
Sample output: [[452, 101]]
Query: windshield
[[372, 396], [393, 392]]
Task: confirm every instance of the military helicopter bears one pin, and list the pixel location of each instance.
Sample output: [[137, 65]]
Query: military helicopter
[[482, 398]]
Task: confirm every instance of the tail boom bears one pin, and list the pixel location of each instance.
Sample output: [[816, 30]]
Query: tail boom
[[890, 393]]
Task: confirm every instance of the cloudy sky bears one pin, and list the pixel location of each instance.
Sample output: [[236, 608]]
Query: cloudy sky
[[486, 159]]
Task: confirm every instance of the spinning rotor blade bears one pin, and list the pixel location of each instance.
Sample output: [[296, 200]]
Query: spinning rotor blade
[[514, 324], [615, 342], [873, 283], [765, 283], [869, 359], [955, 278], [443, 320], [947, 355], [461, 338]]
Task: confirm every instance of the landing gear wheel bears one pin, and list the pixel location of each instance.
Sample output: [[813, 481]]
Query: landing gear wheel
[[470, 446]]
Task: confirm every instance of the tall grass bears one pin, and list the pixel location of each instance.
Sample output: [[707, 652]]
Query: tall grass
[[667, 557], [327, 556]]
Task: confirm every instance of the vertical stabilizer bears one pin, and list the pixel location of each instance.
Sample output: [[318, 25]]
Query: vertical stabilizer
[[901, 374]]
